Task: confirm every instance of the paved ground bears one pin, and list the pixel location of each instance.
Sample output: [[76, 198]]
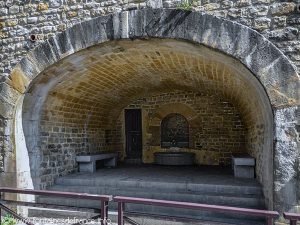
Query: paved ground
[[171, 174], [47, 221]]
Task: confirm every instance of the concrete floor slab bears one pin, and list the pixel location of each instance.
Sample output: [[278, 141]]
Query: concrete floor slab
[[166, 174]]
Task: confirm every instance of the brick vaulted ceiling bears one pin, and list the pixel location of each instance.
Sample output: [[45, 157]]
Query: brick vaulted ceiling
[[99, 81]]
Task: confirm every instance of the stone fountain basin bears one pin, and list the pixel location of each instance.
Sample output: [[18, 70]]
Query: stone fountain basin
[[174, 158]]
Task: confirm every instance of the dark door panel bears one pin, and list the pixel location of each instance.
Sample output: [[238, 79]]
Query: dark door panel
[[133, 132]]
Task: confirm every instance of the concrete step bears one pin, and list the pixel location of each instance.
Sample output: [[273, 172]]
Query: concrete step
[[215, 199], [180, 187], [217, 190]]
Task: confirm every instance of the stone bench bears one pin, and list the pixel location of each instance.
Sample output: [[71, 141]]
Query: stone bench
[[243, 166], [87, 163]]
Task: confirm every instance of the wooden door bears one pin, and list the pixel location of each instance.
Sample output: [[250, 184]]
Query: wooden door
[[133, 132]]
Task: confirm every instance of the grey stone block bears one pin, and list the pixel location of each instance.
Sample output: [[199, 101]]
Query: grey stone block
[[89, 167], [243, 166], [87, 163], [244, 171]]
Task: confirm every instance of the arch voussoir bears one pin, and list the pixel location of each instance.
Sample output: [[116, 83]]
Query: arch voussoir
[[251, 48]]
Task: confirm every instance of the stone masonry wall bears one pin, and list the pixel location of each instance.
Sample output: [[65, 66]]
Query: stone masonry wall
[[287, 157], [216, 131], [64, 134], [1, 141], [278, 77], [6, 151], [60, 144], [276, 20]]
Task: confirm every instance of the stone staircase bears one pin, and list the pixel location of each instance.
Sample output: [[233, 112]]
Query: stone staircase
[[229, 194]]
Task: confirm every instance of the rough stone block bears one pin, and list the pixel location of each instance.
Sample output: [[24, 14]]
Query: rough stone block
[[43, 6], [14, 9], [3, 11], [262, 23], [12, 23], [282, 8], [155, 4]]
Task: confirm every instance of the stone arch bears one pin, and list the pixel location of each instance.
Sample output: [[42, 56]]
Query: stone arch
[[273, 69], [276, 74]]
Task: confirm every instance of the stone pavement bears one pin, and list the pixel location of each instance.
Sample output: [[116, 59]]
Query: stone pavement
[[141, 221]]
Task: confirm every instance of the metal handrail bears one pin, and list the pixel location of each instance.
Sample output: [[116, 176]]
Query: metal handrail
[[292, 217], [269, 215], [57, 194], [104, 199], [14, 214]]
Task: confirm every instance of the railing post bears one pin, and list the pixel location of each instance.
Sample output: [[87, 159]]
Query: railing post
[[270, 220], [292, 217], [121, 206], [104, 212], [0, 208]]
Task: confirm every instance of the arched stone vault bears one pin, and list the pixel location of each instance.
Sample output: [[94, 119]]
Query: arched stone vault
[[259, 55], [278, 80], [89, 89]]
